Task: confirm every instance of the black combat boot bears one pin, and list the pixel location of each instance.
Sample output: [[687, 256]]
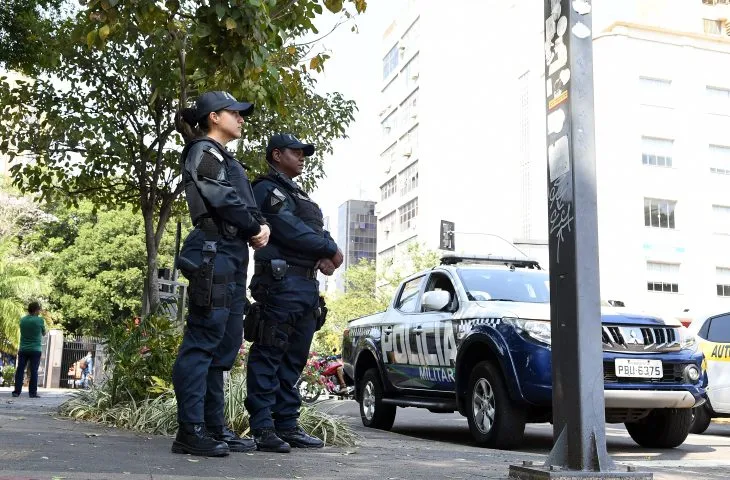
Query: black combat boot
[[192, 438], [235, 443], [297, 437], [267, 441]]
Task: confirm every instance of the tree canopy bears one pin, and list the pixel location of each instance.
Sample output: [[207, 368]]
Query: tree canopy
[[98, 120]]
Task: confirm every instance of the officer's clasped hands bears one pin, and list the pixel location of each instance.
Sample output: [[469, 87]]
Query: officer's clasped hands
[[337, 259], [326, 266], [260, 239]]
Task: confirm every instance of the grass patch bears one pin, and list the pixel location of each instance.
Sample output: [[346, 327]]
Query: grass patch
[[158, 415]]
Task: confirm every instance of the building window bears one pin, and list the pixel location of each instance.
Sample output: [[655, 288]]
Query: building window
[[409, 141], [390, 62], [655, 91], [409, 110], [723, 282], [390, 124], [659, 213], [656, 151], [721, 218], [387, 224], [718, 100], [388, 188], [713, 27], [410, 73], [408, 214], [720, 160], [388, 157], [408, 178], [662, 277], [409, 41]]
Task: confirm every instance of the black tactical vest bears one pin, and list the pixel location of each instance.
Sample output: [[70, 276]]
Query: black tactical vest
[[308, 211], [305, 209]]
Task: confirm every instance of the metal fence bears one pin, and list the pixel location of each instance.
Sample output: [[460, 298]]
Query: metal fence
[[173, 299], [74, 349]]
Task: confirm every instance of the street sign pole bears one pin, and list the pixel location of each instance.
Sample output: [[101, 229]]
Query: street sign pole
[[577, 368]]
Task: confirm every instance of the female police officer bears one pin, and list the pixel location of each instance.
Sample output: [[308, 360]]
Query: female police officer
[[214, 258]]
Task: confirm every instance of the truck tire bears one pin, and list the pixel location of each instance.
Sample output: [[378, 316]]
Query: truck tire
[[372, 411], [701, 419], [662, 428], [493, 421]]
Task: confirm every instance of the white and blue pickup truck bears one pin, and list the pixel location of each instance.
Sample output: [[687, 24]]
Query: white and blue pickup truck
[[473, 336]]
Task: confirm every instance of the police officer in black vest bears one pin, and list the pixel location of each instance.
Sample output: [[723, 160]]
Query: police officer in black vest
[[214, 258], [285, 288]]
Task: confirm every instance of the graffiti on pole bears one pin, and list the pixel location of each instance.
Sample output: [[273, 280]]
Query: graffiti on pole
[[557, 77]]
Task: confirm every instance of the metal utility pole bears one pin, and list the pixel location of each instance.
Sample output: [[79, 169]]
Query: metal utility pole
[[579, 450]]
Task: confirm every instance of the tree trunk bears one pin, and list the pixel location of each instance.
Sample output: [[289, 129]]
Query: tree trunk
[[152, 285]]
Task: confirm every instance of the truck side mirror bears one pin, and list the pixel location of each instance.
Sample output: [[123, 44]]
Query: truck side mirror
[[435, 300]]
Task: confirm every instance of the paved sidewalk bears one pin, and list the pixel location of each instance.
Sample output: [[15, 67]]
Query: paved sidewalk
[[36, 444]]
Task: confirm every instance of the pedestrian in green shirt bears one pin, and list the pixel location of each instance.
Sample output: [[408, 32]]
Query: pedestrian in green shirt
[[32, 329]]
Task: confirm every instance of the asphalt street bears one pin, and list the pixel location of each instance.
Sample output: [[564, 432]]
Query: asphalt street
[[701, 456]]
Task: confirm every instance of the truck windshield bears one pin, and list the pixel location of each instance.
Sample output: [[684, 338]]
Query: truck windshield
[[488, 284]]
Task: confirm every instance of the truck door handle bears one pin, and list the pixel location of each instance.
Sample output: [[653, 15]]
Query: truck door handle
[[418, 329], [387, 330]]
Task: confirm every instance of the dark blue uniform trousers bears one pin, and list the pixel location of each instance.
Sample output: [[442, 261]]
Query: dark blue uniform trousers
[[212, 337], [272, 371]]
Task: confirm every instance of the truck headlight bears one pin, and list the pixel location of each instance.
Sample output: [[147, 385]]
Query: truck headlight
[[537, 329]]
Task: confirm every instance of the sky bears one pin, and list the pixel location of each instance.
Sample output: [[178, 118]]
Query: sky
[[355, 70]]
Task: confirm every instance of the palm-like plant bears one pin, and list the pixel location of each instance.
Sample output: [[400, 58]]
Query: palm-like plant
[[20, 283]]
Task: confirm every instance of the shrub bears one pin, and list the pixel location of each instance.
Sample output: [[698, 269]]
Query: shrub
[[9, 376], [138, 351], [157, 415]]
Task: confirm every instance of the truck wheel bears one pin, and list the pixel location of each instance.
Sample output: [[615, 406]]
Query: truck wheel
[[372, 411], [493, 421], [662, 428], [700, 419]]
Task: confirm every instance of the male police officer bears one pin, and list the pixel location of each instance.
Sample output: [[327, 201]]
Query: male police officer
[[285, 287], [214, 258]]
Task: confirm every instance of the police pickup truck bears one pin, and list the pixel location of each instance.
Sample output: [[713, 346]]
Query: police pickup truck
[[473, 335]]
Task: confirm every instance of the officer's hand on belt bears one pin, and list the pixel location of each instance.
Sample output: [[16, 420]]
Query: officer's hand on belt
[[338, 258], [325, 266], [260, 239]]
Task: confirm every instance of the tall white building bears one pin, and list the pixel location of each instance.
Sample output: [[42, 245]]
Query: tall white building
[[463, 100], [442, 85]]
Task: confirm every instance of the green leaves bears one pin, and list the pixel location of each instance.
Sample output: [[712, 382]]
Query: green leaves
[[333, 6], [202, 30], [104, 32]]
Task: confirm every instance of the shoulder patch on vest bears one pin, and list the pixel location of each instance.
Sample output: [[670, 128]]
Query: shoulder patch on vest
[[214, 151], [277, 198]]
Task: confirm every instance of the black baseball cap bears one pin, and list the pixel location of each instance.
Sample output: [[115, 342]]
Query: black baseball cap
[[215, 101], [287, 140]]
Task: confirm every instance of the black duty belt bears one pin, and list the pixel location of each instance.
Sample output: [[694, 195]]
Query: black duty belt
[[265, 268]]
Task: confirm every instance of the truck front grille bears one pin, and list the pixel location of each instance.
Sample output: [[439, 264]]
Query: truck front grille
[[640, 339]]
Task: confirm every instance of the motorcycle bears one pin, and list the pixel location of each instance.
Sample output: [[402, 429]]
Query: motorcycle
[[320, 376]]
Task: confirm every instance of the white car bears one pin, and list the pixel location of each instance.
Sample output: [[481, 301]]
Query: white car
[[713, 333]]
